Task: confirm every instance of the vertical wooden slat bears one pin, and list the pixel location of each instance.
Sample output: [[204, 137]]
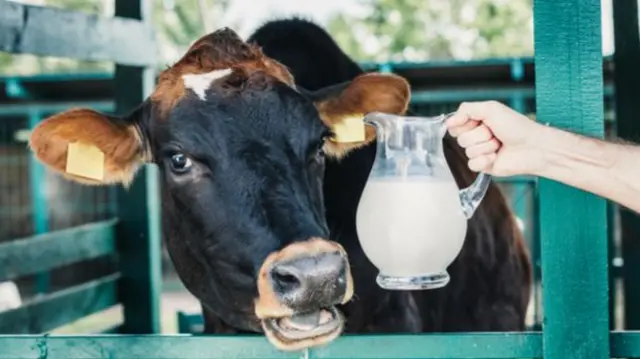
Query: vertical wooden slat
[[568, 60], [138, 206], [39, 202], [627, 90]]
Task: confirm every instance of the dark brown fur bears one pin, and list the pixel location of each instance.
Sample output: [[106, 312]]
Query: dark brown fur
[[216, 51]]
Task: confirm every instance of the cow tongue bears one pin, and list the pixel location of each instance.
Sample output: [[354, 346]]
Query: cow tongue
[[306, 321], [303, 321]]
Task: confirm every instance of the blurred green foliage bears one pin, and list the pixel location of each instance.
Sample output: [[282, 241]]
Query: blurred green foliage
[[421, 30], [385, 30]]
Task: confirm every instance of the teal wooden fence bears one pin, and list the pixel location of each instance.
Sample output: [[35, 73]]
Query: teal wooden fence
[[133, 240], [573, 224]]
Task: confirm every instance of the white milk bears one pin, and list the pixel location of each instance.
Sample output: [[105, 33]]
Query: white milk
[[413, 226]]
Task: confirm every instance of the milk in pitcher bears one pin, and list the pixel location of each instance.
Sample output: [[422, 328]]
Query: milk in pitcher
[[412, 225]]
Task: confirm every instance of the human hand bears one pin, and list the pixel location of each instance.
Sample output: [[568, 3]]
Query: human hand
[[497, 139]]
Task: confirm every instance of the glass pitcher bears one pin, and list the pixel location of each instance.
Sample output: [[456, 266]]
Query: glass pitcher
[[412, 217]]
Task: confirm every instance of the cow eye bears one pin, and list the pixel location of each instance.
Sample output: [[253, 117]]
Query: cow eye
[[180, 163]]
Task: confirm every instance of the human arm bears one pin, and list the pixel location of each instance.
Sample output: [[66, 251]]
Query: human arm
[[610, 170], [502, 142]]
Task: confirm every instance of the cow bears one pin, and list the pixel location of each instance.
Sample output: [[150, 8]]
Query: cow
[[258, 200], [492, 274]]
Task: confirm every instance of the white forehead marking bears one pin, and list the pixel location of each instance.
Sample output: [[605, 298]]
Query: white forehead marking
[[199, 83]]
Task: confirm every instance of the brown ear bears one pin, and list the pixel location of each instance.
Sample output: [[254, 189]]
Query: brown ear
[[119, 142], [373, 92]]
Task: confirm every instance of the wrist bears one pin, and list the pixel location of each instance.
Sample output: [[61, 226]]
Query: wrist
[[541, 147], [561, 153], [551, 149]]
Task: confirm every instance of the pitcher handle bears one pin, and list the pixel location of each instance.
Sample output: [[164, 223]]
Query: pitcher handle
[[472, 196]]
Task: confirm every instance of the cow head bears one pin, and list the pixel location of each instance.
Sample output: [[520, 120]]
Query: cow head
[[241, 155]]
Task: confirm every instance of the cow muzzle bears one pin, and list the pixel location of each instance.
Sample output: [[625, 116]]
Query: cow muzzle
[[299, 288]]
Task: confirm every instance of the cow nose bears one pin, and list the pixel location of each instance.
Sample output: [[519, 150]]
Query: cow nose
[[307, 283]]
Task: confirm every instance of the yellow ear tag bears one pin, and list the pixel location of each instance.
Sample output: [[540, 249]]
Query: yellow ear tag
[[85, 161], [350, 129]]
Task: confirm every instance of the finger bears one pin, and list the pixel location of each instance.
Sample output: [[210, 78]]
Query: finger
[[470, 111], [476, 136], [466, 127], [477, 110], [457, 119], [482, 163], [483, 148]]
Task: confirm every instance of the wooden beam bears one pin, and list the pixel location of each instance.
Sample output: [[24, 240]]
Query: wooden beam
[[573, 223], [50, 250], [433, 346], [49, 31], [139, 238], [60, 308]]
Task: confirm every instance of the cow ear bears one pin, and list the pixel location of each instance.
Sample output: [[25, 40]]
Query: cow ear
[[372, 92], [100, 149]]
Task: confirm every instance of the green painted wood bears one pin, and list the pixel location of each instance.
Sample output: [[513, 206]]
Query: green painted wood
[[139, 206], [39, 201], [22, 109], [49, 31], [520, 345], [627, 87], [526, 180], [508, 345], [572, 223], [625, 344], [190, 323], [56, 309], [46, 251]]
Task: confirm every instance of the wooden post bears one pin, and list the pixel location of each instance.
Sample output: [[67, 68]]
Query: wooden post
[[573, 223], [627, 89], [139, 206], [39, 202]]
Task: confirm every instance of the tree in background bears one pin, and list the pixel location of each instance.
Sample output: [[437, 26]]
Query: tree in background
[[420, 30]]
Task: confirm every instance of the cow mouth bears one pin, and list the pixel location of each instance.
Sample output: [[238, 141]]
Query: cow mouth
[[304, 330]]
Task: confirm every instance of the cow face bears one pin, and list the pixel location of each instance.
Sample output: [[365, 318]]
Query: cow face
[[241, 156]]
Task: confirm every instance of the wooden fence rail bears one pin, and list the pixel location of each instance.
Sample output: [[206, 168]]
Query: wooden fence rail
[[50, 250], [127, 39], [62, 307], [437, 346], [44, 252], [48, 31]]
